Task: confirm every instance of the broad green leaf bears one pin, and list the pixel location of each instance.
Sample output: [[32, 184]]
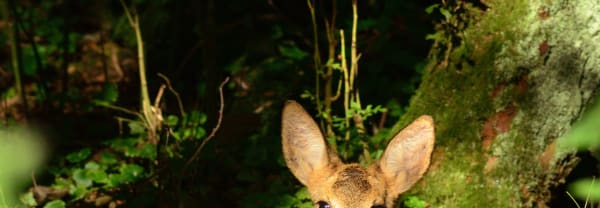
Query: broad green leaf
[[200, 132], [107, 158], [131, 172], [55, 204], [82, 178], [586, 189], [414, 202], [79, 156], [136, 128], [292, 51], [172, 120], [109, 93]]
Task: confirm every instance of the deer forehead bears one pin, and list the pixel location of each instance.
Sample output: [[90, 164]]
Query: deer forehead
[[352, 186]]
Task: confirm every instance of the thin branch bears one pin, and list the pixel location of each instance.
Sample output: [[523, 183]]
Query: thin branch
[[129, 18], [124, 110], [159, 95], [179, 102], [214, 130]]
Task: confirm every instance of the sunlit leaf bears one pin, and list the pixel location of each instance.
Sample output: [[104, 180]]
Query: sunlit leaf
[[585, 134], [430, 9], [586, 189], [82, 178], [136, 127], [414, 202], [446, 13], [131, 172], [55, 204], [438, 36], [28, 199], [172, 120]]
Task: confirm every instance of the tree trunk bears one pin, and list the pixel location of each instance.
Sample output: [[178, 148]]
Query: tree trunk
[[519, 74]]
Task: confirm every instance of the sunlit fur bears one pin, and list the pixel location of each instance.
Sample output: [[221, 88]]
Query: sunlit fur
[[403, 163]]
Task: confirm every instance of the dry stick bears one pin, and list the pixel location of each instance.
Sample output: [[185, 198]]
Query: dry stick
[[159, 95], [210, 136], [179, 102], [214, 130]]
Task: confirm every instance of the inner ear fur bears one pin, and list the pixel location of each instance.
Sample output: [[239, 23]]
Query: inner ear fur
[[408, 155], [304, 147]]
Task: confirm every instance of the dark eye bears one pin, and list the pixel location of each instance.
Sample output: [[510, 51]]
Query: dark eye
[[378, 206], [323, 204]]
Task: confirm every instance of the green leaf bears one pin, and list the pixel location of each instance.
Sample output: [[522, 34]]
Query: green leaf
[[199, 133], [28, 199], [146, 150], [236, 65], [586, 189], [55, 204], [96, 172], [172, 120], [115, 180], [302, 194], [292, 51], [131, 172], [584, 133], [196, 118], [107, 158], [446, 13], [109, 93], [82, 178], [438, 36], [136, 128], [79, 156], [91, 166], [430, 9], [414, 202], [78, 192]]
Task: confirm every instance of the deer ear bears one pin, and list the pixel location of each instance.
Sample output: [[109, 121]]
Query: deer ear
[[304, 146], [407, 156]]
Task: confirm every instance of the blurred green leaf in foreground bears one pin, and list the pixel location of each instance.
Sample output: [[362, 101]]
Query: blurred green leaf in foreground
[[21, 151], [585, 136]]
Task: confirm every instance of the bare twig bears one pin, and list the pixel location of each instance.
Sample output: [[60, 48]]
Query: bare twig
[[179, 102], [208, 138], [124, 110], [159, 95], [214, 130]]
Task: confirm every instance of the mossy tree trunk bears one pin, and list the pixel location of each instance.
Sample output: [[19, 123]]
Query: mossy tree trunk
[[517, 76]]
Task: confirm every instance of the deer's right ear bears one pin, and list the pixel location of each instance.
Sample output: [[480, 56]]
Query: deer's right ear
[[304, 146], [407, 156]]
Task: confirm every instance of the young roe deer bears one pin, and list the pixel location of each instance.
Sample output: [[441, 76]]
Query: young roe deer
[[333, 184]]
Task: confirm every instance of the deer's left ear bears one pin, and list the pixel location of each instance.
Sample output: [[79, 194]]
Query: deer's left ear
[[304, 146], [407, 156]]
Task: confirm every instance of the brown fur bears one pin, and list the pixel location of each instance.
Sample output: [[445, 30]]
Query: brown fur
[[340, 185]]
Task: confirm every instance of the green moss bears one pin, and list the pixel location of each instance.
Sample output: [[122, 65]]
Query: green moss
[[459, 98], [501, 54]]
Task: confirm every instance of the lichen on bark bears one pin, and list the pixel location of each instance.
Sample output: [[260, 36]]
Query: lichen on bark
[[521, 74]]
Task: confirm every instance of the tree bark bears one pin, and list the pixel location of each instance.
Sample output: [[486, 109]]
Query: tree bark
[[519, 74]]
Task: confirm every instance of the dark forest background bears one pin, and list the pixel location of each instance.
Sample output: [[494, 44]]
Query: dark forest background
[[74, 76]]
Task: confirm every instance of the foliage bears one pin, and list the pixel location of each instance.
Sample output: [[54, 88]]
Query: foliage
[[73, 69], [414, 202], [584, 136], [17, 144]]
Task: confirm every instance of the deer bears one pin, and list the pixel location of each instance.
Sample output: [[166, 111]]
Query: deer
[[332, 183]]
